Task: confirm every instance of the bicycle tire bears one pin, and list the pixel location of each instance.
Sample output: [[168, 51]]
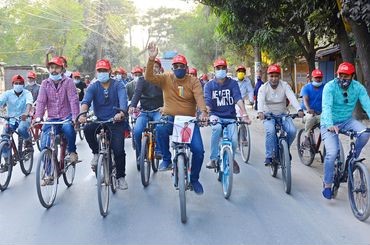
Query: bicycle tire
[[285, 166], [81, 134], [182, 186], [227, 172], [113, 174], [144, 162], [26, 158], [5, 162], [359, 193], [274, 167], [133, 139], [69, 172], [46, 192], [302, 149], [102, 178], [338, 173], [244, 140]]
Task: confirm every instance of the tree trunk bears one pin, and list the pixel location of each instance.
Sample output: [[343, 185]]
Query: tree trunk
[[342, 37]]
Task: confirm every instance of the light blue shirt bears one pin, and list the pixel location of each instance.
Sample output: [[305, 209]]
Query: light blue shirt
[[16, 105], [246, 88], [334, 108]]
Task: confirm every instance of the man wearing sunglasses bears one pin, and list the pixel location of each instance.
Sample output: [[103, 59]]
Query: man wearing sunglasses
[[106, 94], [339, 100], [182, 93]]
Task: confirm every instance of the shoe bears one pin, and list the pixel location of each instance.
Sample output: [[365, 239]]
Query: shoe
[[268, 161], [327, 193], [3, 168], [197, 187], [236, 168], [28, 145], [73, 157], [158, 155], [48, 180], [164, 166], [122, 184], [211, 164], [94, 161]]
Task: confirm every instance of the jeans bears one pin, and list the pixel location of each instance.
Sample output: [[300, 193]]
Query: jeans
[[117, 143], [331, 141], [217, 134], [141, 123], [271, 139], [196, 146], [67, 129], [23, 127]]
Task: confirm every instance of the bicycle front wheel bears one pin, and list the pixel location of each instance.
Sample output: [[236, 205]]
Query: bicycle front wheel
[[244, 140], [358, 191], [305, 151], [6, 165], [181, 169], [102, 177], [144, 162], [285, 165], [227, 172], [81, 134], [46, 178]]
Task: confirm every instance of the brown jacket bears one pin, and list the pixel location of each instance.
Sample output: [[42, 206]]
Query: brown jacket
[[180, 96]]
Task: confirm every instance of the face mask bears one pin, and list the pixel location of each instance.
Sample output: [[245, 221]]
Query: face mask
[[344, 83], [103, 77], [77, 81], [220, 74], [18, 88], [31, 82], [118, 77], [56, 77], [136, 79], [180, 73], [316, 84], [240, 75]]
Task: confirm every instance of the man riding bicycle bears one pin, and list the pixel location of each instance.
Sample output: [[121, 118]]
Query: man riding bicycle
[[339, 100], [107, 94], [272, 97], [221, 94]]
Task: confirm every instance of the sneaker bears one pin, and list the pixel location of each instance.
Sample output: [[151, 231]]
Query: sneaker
[[268, 161], [327, 193], [122, 184], [73, 157], [211, 164], [48, 180], [28, 145], [197, 187], [236, 168], [165, 165], [94, 161]]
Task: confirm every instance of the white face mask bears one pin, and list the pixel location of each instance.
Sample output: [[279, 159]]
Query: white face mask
[[31, 82], [316, 84]]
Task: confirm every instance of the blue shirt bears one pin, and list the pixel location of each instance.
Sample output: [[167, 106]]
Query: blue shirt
[[221, 98], [314, 95], [105, 100], [334, 107], [16, 105]]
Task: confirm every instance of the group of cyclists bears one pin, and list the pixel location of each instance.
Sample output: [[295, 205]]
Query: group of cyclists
[[157, 95]]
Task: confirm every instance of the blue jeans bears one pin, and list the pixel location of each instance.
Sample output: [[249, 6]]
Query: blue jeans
[[196, 146], [22, 127], [271, 139], [68, 131], [331, 141], [141, 123], [217, 134]]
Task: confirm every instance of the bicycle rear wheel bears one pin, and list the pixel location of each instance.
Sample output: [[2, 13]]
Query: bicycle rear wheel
[[144, 162], [182, 186], [102, 177], [305, 151], [285, 165], [69, 172], [46, 178], [227, 172], [26, 158], [6, 165], [244, 139], [359, 191], [113, 174]]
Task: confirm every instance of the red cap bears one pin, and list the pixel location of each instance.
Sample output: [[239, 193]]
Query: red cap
[[57, 61], [273, 69], [204, 77], [179, 59], [220, 62], [31, 74], [137, 69], [193, 71], [317, 73], [17, 78], [346, 68], [103, 64], [241, 68], [121, 70], [76, 74]]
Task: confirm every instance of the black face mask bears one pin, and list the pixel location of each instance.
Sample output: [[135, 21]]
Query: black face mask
[[344, 83]]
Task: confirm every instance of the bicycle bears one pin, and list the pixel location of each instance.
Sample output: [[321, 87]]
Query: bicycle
[[281, 156], [244, 141], [52, 164], [148, 157], [355, 172], [225, 161], [20, 154]]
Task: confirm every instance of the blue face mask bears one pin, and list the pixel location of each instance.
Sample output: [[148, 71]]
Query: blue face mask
[[77, 81], [18, 88], [103, 77], [56, 77], [220, 74], [316, 84], [179, 73], [119, 77]]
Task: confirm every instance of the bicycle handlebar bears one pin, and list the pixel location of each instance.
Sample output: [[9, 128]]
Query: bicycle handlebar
[[269, 116], [53, 123], [353, 133]]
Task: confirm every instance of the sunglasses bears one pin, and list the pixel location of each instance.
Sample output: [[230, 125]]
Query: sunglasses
[[345, 94], [178, 66]]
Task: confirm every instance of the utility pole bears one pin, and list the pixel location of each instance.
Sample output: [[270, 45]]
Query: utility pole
[[99, 45], [130, 37]]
